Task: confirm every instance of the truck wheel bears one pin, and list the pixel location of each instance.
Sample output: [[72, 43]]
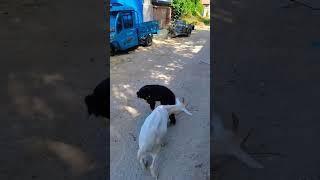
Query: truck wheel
[[112, 51], [148, 41]]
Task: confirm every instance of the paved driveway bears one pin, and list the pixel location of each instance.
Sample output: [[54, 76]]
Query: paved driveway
[[181, 65]]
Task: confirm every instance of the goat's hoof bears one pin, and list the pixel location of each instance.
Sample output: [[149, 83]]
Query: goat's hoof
[[155, 175], [145, 165]]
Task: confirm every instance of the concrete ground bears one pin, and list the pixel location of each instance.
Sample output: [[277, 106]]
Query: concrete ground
[[182, 65], [52, 55], [267, 72]]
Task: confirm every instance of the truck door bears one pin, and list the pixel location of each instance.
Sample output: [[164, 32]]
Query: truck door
[[128, 34]]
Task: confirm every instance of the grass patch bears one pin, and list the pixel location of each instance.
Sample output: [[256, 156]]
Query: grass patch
[[197, 20]]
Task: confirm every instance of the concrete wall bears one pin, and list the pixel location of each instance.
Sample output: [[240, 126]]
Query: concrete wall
[[163, 15], [147, 11], [206, 10]]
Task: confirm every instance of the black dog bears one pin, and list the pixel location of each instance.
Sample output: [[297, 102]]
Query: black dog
[[98, 102], [153, 93]]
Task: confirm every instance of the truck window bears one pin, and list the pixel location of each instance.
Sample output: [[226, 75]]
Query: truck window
[[113, 16], [119, 24], [127, 20]]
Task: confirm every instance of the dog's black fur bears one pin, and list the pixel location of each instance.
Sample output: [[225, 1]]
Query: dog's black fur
[[98, 102], [153, 93]]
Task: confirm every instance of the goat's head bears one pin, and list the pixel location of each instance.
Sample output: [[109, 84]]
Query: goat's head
[[182, 106]]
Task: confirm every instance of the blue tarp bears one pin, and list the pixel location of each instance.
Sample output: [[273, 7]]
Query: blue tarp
[[135, 4]]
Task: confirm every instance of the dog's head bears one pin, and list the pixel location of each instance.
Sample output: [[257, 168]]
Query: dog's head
[[144, 93]]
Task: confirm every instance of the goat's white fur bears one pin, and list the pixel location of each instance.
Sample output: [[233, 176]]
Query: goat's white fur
[[153, 131]]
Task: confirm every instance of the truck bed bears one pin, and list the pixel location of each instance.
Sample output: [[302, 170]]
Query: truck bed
[[145, 28]]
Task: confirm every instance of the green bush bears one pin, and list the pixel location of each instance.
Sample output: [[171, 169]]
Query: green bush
[[199, 8], [206, 21], [186, 8]]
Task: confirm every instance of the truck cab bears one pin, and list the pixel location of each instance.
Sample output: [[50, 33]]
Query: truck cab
[[125, 29]]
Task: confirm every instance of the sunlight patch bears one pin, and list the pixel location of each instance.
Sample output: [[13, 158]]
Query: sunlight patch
[[197, 49], [134, 113], [158, 75], [72, 156]]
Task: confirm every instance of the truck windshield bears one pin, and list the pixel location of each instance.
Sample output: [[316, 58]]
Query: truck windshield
[[113, 16]]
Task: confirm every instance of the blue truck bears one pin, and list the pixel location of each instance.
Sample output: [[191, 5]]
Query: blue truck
[[126, 31]]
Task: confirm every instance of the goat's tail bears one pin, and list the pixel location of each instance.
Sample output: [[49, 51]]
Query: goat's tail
[[182, 106]]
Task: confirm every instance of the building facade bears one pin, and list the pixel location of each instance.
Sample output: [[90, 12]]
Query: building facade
[[149, 10], [206, 10], [158, 10]]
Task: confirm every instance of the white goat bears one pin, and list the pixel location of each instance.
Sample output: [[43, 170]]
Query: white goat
[[153, 130], [226, 142]]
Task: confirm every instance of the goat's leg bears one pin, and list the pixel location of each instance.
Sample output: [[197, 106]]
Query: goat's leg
[[152, 167], [143, 163], [154, 159], [141, 157]]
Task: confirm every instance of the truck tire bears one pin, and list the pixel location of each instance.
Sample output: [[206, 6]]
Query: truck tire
[[148, 41], [112, 51]]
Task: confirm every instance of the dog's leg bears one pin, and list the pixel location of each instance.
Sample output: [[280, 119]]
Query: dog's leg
[[152, 104], [172, 119]]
